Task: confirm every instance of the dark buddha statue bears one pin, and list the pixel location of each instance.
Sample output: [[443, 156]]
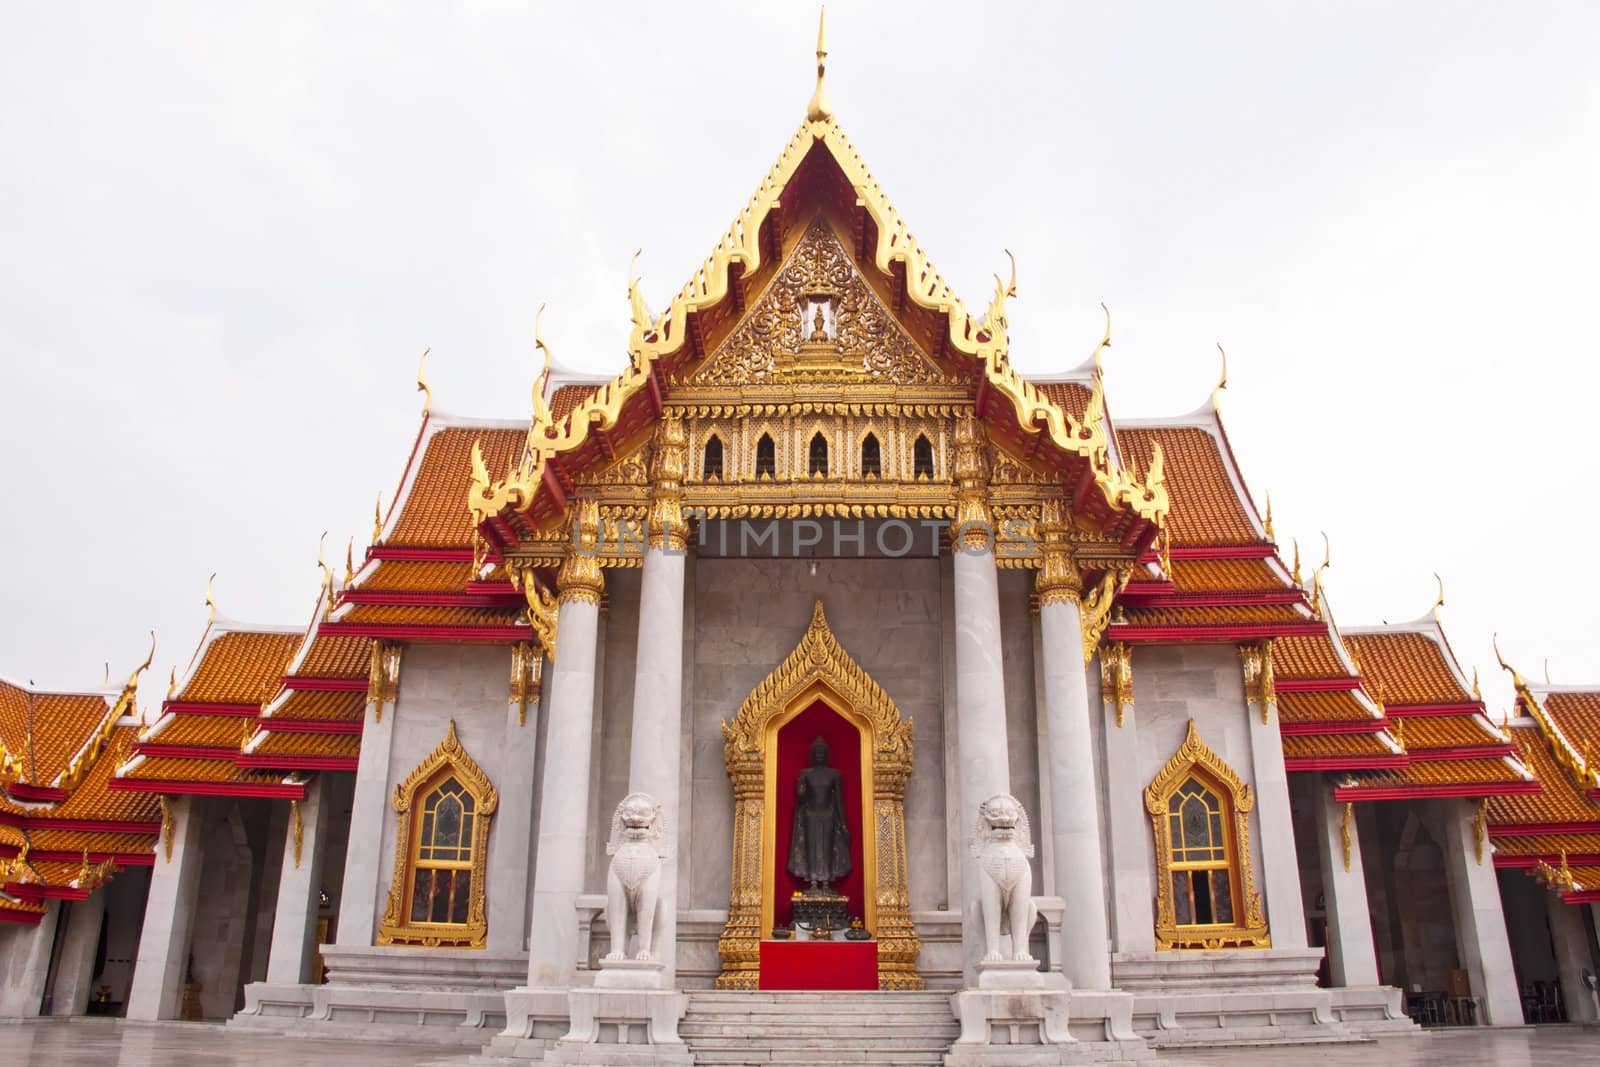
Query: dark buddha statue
[[819, 851]]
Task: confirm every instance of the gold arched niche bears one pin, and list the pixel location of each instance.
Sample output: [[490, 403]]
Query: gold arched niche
[[819, 669], [1246, 927]]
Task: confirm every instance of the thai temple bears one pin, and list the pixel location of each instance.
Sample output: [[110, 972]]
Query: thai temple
[[817, 689]]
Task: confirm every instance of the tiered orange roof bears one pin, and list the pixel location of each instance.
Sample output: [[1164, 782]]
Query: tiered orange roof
[[314, 720], [192, 747], [1554, 836], [63, 832], [1451, 747]]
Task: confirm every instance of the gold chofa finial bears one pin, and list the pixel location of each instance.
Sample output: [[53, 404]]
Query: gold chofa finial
[[211, 604], [820, 110], [1222, 382], [1266, 521], [422, 383], [1105, 343], [377, 519], [1439, 600], [541, 410]]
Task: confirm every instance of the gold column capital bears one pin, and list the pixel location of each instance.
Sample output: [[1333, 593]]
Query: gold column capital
[[579, 578], [668, 529], [974, 520], [1057, 580]]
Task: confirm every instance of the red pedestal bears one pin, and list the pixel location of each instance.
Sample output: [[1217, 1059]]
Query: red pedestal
[[819, 965]]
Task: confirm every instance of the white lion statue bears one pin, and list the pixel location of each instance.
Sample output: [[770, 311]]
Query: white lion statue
[[633, 881], [1003, 845]]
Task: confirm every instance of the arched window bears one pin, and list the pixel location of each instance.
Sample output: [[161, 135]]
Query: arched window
[[1205, 894], [766, 458], [817, 465], [871, 459], [922, 458], [711, 467], [436, 898]]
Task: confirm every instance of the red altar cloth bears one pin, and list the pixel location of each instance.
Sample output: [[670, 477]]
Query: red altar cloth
[[819, 965]]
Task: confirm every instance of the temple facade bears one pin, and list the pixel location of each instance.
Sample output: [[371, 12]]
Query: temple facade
[[818, 684]]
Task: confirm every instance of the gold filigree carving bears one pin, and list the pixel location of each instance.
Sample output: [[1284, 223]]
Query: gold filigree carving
[[1480, 830], [396, 927], [1259, 684], [168, 830], [580, 577], [818, 669], [1116, 676], [1194, 758], [1095, 612], [818, 320], [527, 670], [1346, 832], [668, 530], [1058, 579], [383, 677], [297, 831], [974, 522]]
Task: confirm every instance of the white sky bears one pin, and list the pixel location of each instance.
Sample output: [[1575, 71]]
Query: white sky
[[228, 232]]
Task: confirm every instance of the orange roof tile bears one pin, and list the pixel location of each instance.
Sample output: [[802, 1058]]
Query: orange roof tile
[[1070, 397], [1335, 706], [1208, 615], [434, 512], [1447, 731], [92, 799], [48, 840], [1544, 844], [337, 656], [1557, 801], [433, 576], [163, 768], [1230, 575], [1577, 715], [1444, 772], [1306, 656], [1206, 510], [566, 399], [240, 667], [429, 615], [337, 746], [1326, 746], [312, 704], [60, 724], [1409, 665], [224, 731]]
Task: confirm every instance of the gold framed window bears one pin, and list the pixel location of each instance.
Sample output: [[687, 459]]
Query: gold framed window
[[436, 898], [1205, 886]]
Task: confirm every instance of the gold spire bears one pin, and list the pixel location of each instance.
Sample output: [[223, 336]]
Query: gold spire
[[541, 410], [1105, 343], [1266, 521], [819, 109], [377, 519], [1222, 382], [422, 383], [211, 605], [349, 561]]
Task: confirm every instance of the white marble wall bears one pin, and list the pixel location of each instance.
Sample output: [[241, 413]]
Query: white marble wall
[[469, 684], [748, 616], [608, 775], [1173, 684]]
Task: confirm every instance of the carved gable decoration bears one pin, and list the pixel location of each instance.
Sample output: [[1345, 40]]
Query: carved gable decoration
[[818, 320]]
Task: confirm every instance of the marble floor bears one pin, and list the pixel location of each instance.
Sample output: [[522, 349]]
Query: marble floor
[[77, 1042]]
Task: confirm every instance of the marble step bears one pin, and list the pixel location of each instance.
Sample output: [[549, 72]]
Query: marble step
[[746, 1056]]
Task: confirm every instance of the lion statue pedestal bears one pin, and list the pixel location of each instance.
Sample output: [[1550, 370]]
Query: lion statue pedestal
[[629, 1015]]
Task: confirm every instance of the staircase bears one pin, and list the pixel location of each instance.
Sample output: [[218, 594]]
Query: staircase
[[749, 1029]]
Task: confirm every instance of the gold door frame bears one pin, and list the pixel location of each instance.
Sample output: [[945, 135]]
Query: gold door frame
[[818, 669]]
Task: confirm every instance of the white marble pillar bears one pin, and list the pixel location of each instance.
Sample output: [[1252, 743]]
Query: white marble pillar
[[164, 943], [25, 968], [1570, 937], [981, 742], [1482, 943], [655, 749], [294, 926], [366, 881], [1074, 796], [1128, 830], [75, 963], [1352, 956], [1279, 863], [564, 796], [512, 839]]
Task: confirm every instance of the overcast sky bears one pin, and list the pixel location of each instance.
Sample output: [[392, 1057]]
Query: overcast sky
[[229, 230]]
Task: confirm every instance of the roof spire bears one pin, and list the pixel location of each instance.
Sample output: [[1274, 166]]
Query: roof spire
[[422, 383], [211, 604], [1439, 600], [1222, 382], [819, 109]]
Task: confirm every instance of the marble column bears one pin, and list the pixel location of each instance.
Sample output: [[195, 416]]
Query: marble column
[[27, 965], [294, 926], [1482, 944], [1127, 825], [75, 963], [655, 750], [564, 794], [513, 827], [1279, 863], [980, 715], [1074, 795], [366, 879], [1570, 937], [1352, 957], [164, 944]]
